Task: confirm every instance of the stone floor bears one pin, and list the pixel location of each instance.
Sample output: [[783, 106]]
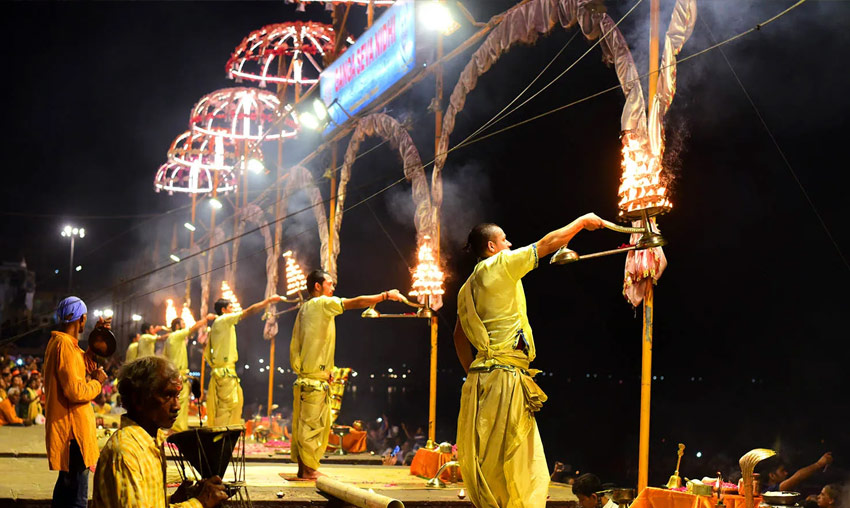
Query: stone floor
[[26, 480]]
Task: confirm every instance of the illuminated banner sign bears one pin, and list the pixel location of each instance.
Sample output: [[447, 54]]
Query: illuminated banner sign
[[380, 59]]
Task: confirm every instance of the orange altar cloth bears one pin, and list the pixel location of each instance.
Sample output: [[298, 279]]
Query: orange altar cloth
[[663, 498], [427, 462], [353, 442]]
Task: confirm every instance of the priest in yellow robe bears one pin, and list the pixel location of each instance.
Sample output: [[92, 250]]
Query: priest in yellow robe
[[499, 448], [311, 355], [176, 352], [224, 395]]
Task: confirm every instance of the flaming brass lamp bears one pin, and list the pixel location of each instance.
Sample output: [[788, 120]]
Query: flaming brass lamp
[[649, 239], [423, 311]]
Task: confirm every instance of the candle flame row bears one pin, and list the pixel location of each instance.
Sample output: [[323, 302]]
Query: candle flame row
[[227, 294], [641, 186], [295, 280], [427, 276]]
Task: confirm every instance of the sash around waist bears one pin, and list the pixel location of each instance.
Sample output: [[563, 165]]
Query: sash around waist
[[224, 370], [317, 381], [533, 395]]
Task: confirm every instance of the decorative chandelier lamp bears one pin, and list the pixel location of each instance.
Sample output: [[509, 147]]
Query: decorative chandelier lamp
[[175, 177], [258, 58], [241, 114], [212, 150]]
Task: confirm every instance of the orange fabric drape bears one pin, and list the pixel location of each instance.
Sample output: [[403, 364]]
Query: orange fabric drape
[[427, 462], [663, 498], [353, 442]]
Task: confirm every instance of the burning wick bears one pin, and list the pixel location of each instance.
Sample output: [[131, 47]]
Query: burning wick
[[461, 494]]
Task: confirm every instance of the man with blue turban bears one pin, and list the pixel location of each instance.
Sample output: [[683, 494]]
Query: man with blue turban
[[70, 430]]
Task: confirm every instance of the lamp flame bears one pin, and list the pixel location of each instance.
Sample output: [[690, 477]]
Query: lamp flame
[[170, 312], [295, 280], [427, 276], [186, 316], [227, 294], [641, 187]]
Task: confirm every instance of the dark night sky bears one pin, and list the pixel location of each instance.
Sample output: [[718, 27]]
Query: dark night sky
[[754, 300]]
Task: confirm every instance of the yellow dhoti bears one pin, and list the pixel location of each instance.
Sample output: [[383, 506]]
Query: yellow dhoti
[[182, 422], [499, 448], [224, 398], [498, 444], [311, 422]]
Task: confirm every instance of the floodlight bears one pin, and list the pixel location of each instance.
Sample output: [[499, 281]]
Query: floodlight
[[255, 166], [320, 109], [309, 120], [436, 16]]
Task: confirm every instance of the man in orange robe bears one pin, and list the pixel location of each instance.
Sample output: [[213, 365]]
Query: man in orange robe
[[69, 430]]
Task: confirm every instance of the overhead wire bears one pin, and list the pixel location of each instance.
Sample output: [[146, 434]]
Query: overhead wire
[[780, 150], [494, 120]]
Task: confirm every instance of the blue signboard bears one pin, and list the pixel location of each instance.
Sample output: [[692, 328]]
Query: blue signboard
[[381, 57]]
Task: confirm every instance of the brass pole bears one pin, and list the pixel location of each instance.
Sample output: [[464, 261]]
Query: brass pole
[[188, 296], [278, 229], [210, 263], [648, 307], [370, 14], [438, 127], [645, 387], [432, 392]]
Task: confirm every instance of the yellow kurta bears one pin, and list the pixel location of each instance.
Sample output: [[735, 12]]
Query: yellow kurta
[[224, 395], [132, 352], [175, 351], [34, 409], [131, 471], [499, 448], [311, 355], [146, 345]]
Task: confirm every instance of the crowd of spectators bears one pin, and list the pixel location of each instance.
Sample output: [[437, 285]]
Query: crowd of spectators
[[22, 391], [395, 443]]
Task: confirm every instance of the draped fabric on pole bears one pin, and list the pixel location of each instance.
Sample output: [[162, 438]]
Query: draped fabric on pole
[[388, 128], [646, 266], [206, 275], [201, 267], [523, 24], [252, 214], [299, 179]]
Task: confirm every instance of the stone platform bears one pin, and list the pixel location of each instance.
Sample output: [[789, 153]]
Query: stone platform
[[27, 482]]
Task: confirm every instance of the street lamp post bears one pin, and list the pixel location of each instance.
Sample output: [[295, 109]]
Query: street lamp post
[[72, 233]]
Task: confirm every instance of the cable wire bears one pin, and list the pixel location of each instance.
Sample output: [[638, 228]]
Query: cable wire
[[780, 151]]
